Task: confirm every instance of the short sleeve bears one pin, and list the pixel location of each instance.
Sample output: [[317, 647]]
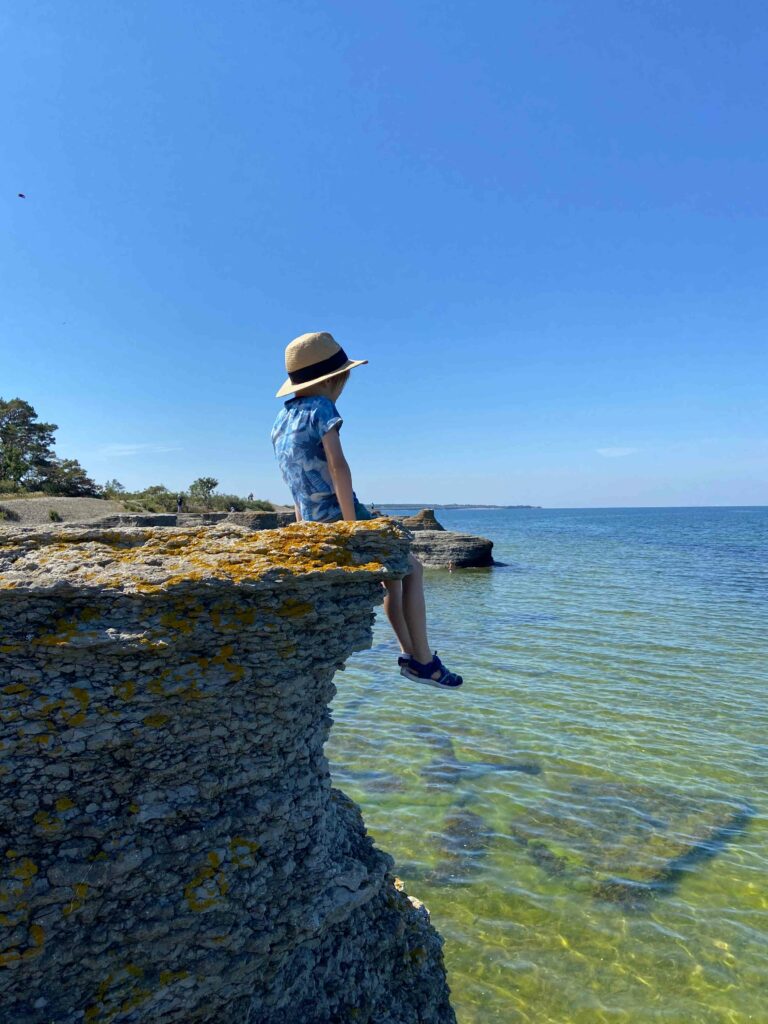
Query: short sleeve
[[326, 417]]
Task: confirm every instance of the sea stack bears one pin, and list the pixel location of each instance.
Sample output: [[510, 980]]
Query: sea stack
[[172, 849]]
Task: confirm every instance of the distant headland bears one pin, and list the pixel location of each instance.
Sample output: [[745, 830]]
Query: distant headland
[[432, 504]]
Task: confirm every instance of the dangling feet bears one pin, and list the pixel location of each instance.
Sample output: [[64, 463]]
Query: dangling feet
[[433, 673]]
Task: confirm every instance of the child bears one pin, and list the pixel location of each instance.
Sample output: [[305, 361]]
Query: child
[[308, 449]]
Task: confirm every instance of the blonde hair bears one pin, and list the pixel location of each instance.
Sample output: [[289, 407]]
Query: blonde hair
[[333, 386]]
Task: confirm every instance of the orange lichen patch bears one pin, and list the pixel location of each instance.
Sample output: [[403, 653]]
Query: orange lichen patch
[[156, 721], [172, 620], [168, 977], [81, 892], [223, 658], [64, 630], [48, 706], [25, 870], [83, 699], [153, 560], [243, 851], [294, 609], [35, 940], [125, 690], [107, 993], [44, 821], [17, 688], [229, 619], [207, 887]]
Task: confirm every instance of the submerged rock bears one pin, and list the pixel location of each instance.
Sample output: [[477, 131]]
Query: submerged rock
[[627, 842], [448, 770], [463, 842]]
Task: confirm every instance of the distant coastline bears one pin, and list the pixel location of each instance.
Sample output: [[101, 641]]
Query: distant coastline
[[432, 505]]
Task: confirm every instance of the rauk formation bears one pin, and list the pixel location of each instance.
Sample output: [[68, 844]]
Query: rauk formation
[[441, 549], [438, 548], [423, 520], [171, 849]]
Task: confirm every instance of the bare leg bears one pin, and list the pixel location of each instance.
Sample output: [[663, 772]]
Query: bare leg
[[415, 611], [393, 606]]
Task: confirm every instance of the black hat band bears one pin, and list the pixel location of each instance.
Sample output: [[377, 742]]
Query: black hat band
[[320, 369]]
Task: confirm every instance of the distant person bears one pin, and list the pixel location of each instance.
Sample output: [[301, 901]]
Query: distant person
[[179, 503], [306, 440], [250, 496], [232, 508]]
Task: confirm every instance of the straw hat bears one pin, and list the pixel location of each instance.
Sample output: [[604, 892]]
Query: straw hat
[[312, 358]]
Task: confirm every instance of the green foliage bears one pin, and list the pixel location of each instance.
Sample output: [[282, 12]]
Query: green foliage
[[112, 489], [156, 498], [54, 516], [8, 515], [27, 458], [65, 477], [202, 489], [25, 445], [159, 499]]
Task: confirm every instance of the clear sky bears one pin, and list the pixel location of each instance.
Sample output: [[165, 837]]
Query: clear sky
[[545, 223]]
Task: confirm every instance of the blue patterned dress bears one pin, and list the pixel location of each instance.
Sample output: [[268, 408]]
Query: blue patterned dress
[[297, 437]]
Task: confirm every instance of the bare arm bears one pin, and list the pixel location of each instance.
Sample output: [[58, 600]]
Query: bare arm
[[340, 474], [298, 511]]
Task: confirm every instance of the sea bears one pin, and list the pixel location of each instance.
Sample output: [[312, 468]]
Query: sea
[[586, 819]]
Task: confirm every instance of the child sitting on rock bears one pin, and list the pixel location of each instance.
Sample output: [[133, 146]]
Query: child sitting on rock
[[308, 449]]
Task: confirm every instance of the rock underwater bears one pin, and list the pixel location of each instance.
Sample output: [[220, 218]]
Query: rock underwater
[[171, 849]]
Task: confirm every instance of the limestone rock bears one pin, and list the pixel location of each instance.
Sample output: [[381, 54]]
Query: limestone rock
[[424, 520], [443, 549], [171, 849]]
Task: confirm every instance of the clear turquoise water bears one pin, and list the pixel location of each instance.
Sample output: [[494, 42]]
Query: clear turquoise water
[[622, 653]]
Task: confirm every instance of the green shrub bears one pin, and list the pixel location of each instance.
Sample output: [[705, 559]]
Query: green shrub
[[54, 516], [8, 515]]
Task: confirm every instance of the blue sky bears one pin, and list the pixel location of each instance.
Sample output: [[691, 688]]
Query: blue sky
[[544, 223]]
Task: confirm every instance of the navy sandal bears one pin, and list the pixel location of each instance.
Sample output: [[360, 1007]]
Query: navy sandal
[[421, 673]]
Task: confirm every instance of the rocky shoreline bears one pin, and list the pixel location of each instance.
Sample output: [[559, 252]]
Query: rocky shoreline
[[436, 547]]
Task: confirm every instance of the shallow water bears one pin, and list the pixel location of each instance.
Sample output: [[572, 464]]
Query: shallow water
[[614, 869]]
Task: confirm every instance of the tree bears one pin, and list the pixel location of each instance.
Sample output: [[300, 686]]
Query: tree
[[112, 487], [25, 445], [203, 488], [65, 476]]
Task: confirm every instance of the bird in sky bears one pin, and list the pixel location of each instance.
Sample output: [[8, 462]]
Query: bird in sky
[[21, 195]]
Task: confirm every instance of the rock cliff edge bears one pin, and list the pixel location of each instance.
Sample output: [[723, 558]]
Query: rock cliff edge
[[171, 848]]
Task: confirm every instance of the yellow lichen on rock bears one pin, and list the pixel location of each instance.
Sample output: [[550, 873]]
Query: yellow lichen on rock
[[152, 559]]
